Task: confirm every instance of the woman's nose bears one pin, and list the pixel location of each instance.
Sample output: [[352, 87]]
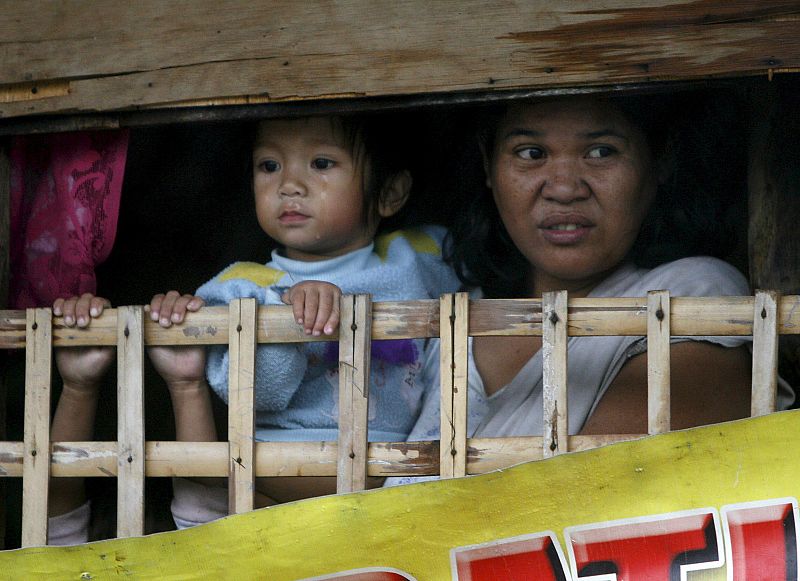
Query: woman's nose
[[564, 183]]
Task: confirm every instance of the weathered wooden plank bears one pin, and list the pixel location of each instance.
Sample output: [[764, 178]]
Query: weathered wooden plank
[[658, 360], [354, 382], [5, 223], [696, 316], [765, 354], [454, 325], [241, 404], [130, 428], [36, 459], [153, 53], [5, 276], [554, 374], [774, 203]]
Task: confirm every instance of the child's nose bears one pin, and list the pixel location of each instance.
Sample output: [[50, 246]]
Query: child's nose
[[293, 184], [564, 183]]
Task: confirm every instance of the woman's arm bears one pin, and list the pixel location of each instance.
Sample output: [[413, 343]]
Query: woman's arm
[[709, 384]]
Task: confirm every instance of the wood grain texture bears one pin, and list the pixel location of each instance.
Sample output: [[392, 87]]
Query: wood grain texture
[[658, 360], [354, 382], [693, 316], [157, 54], [554, 374], [166, 459], [764, 397], [5, 277], [454, 326], [130, 414], [36, 436], [241, 404]]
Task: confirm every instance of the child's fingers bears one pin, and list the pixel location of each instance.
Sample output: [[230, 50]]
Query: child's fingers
[[323, 313], [333, 319], [97, 305], [83, 308], [154, 308], [66, 308], [310, 311], [182, 304], [58, 307], [298, 302], [167, 307]]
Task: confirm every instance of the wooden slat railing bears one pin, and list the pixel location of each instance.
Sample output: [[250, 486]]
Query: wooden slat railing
[[453, 319]]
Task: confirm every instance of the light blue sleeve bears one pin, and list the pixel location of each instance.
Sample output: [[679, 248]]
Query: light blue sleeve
[[279, 367]]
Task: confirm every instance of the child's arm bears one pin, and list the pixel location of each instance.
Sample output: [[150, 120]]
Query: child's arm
[[196, 500], [183, 370], [315, 305], [82, 370]]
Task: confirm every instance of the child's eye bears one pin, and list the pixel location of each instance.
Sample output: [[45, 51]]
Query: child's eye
[[600, 151], [270, 166], [530, 152], [322, 163]]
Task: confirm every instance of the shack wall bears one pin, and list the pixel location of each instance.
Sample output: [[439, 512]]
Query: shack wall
[[103, 55]]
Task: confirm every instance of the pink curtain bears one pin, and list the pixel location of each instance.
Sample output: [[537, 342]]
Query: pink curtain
[[65, 196]]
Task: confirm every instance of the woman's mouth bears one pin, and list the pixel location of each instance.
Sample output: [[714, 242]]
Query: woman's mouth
[[565, 230]]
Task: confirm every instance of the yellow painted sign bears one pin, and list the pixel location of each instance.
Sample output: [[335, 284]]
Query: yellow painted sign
[[713, 504]]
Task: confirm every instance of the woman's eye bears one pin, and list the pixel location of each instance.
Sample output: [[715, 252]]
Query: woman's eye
[[600, 151], [270, 166], [530, 153], [322, 163]]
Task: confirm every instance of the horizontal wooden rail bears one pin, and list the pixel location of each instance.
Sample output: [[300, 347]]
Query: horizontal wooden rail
[[691, 316], [168, 458]]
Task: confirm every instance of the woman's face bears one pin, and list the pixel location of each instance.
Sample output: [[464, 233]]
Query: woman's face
[[573, 180]]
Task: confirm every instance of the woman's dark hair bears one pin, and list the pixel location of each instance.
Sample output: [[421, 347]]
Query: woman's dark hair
[[694, 136]]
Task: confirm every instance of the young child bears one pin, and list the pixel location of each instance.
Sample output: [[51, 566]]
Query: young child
[[322, 185]]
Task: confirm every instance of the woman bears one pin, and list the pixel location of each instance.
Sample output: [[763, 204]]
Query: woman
[[583, 192]]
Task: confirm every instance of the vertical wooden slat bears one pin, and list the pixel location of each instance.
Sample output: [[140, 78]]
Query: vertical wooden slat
[[241, 403], [765, 353], [554, 360], [130, 414], [5, 223], [36, 459], [658, 361], [354, 381], [454, 333], [5, 278], [774, 202]]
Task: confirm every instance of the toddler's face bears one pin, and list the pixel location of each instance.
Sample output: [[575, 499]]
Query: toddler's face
[[309, 190]]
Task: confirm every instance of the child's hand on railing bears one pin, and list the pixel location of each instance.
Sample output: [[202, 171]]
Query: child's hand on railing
[[315, 305], [166, 309], [183, 368], [82, 368]]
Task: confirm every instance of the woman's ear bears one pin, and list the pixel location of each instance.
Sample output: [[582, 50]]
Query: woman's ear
[[394, 194]]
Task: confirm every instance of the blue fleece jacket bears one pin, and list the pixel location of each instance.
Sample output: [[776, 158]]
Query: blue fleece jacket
[[296, 385]]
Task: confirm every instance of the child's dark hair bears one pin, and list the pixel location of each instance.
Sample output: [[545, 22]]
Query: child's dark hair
[[380, 142], [694, 136]]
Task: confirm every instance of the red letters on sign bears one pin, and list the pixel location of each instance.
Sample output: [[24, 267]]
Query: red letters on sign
[[529, 558], [762, 540], [659, 548]]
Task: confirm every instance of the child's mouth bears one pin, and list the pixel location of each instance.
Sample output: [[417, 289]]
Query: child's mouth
[[292, 217]]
